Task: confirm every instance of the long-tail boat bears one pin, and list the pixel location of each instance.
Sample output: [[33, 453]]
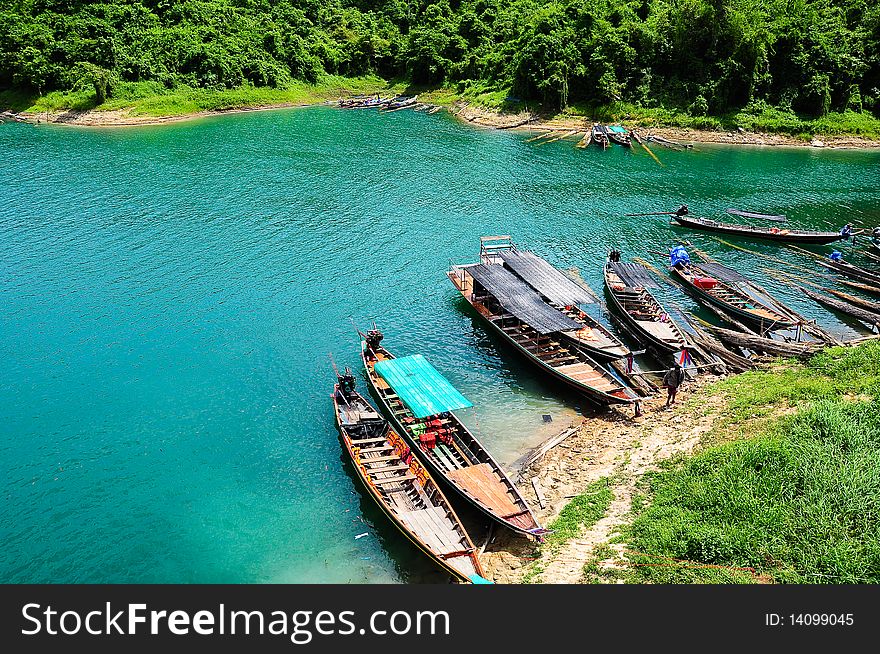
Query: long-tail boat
[[864, 315], [851, 271], [766, 233], [600, 138], [728, 290], [627, 285], [559, 291], [400, 485], [420, 402], [619, 135], [519, 314]]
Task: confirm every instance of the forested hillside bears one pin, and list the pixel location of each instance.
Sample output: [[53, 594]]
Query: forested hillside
[[702, 56]]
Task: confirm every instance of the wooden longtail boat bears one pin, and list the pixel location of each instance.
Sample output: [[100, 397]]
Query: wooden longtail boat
[[778, 218], [868, 317], [867, 305], [400, 485], [619, 135], [520, 316], [650, 323], [729, 297], [402, 101], [599, 136], [560, 292], [851, 271], [765, 233], [407, 389]]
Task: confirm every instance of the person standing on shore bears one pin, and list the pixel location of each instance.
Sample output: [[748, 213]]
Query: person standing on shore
[[673, 378]]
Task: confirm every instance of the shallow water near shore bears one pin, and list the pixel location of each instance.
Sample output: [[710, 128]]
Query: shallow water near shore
[[170, 296]]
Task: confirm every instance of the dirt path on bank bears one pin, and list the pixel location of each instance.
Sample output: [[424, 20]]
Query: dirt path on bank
[[614, 446]]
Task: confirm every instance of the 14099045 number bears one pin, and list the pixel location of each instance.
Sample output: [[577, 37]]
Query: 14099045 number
[[821, 619]]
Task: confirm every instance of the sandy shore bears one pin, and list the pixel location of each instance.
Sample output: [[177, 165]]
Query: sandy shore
[[466, 113], [125, 117], [613, 445], [528, 121]]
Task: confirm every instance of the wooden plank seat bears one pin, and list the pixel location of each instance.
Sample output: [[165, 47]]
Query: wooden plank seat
[[364, 441], [381, 448], [391, 468], [393, 480], [375, 459], [482, 483]]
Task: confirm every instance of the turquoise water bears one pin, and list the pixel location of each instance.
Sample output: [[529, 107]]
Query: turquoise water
[[169, 298]]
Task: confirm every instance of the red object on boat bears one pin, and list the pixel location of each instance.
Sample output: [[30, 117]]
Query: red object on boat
[[428, 440], [705, 283]]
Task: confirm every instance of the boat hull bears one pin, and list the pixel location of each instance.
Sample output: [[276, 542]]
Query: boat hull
[[654, 343], [819, 238], [744, 316], [377, 499], [597, 396], [435, 469]]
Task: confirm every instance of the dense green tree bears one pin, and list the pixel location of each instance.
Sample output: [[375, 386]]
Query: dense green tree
[[706, 56]]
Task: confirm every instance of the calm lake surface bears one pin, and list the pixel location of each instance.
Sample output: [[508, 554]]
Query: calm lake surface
[[170, 295]]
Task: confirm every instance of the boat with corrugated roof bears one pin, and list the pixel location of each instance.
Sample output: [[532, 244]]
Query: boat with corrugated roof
[[400, 485], [420, 403], [507, 299]]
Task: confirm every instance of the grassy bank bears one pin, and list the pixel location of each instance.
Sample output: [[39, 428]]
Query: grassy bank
[[154, 100], [757, 117], [788, 490], [151, 99]]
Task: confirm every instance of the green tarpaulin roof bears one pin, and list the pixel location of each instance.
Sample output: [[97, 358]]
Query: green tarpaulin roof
[[420, 387]]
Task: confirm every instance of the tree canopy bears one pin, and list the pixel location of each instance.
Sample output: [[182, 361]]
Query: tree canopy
[[710, 56]]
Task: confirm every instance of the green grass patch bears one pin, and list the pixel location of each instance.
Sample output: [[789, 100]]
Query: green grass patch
[[799, 502], [153, 99], [581, 513]]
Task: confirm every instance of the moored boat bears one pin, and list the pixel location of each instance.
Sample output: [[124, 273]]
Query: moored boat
[[402, 101], [849, 270], [420, 404], [627, 285], [560, 292], [728, 290], [618, 135], [764, 233], [546, 336], [400, 485], [600, 138]]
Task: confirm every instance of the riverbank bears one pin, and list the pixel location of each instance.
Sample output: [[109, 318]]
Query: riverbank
[[525, 120], [144, 103], [769, 476]]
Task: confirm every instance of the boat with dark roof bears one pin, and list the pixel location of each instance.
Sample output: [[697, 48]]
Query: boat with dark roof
[[627, 285], [420, 402], [400, 485], [522, 317], [730, 291]]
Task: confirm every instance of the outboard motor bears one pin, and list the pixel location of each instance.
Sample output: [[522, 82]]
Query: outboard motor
[[347, 383], [614, 256], [374, 338], [682, 210]]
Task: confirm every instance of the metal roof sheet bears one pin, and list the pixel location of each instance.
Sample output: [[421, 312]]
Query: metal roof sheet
[[545, 279], [520, 299], [420, 387]]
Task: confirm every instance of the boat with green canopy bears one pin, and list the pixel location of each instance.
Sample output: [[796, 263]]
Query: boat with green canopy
[[420, 403], [400, 485]]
